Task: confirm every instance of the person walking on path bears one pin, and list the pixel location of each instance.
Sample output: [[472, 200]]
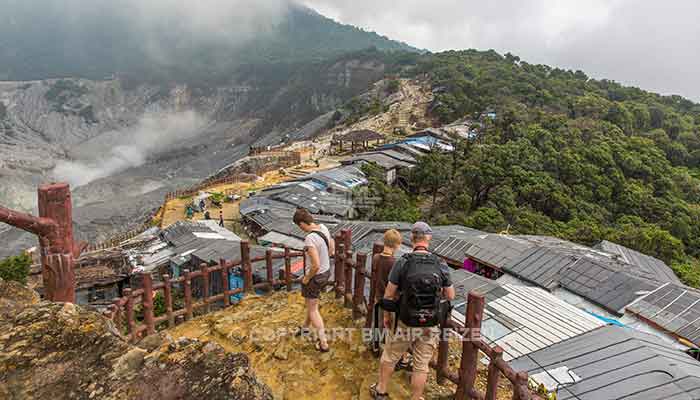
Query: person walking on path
[[221, 219], [320, 247], [419, 280]]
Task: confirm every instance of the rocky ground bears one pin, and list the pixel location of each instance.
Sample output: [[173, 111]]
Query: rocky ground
[[292, 368], [63, 351]]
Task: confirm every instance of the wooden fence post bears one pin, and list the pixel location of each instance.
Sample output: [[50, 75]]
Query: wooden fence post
[[205, 286], [358, 298], [224, 281], [287, 269], [376, 249], [268, 268], [520, 389], [130, 319], [347, 246], [187, 288], [443, 350], [168, 298], [470, 353], [339, 267], [494, 374], [246, 266], [147, 303]]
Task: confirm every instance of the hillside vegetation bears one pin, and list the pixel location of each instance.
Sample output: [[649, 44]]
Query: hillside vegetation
[[566, 156], [62, 38]]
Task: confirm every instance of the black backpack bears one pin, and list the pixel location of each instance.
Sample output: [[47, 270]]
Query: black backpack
[[421, 286]]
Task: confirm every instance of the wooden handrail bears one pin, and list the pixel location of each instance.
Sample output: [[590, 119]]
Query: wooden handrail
[[350, 280]]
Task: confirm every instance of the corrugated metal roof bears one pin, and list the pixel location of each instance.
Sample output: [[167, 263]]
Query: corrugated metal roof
[[653, 266], [616, 363], [604, 285], [520, 319], [381, 160], [674, 308], [282, 240]]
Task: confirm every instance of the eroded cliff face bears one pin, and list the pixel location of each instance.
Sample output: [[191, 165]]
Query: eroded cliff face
[[63, 351], [122, 145]]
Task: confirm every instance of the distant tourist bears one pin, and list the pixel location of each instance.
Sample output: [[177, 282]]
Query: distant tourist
[[319, 245], [189, 212], [207, 216], [221, 219], [419, 280]]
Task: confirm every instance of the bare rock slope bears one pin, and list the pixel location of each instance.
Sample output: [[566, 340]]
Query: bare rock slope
[[63, 351]]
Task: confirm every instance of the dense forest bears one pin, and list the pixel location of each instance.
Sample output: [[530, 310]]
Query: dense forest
[[566, 156]]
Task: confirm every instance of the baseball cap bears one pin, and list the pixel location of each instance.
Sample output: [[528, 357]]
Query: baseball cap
[[422, 228]]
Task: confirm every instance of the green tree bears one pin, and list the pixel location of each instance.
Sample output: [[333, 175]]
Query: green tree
[[16, 268]]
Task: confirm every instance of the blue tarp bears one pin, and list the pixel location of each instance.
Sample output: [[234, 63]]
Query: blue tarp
[[607, 320], [235, 282]]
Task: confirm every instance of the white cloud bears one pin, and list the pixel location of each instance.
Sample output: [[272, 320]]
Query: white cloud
[[648, 43]]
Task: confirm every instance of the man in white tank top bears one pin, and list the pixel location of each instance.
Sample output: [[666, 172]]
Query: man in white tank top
[[319, 246]]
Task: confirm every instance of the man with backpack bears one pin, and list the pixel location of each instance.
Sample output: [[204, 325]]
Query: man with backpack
[[320, 248], [420, 281]]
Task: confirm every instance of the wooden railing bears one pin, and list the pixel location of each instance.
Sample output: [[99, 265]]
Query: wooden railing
[[193, 190], [349, 284], [123, 310], [352, 290], [116, 240]]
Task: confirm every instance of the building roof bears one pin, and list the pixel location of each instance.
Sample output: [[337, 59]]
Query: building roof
[[363, 135], [673, 308], [281, 240], [312, 199], [653, 266], [384, 161], [605, 284], [614, 363], [520, 319]]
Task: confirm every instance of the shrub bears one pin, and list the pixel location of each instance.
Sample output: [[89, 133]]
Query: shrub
[[16, 268]]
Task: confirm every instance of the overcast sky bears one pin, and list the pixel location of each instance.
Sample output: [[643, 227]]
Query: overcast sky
[[653, 44]]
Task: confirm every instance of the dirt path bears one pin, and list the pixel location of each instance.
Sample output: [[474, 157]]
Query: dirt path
[[293, 369], [174, 210]]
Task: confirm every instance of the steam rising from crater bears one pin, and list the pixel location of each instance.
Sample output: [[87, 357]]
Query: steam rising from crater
[[127, 148]]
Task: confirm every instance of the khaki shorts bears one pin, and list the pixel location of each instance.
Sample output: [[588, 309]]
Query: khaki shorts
[[313, 289], [424, 342]]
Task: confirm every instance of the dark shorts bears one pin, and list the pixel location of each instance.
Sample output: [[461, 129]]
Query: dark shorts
[[315, 287]]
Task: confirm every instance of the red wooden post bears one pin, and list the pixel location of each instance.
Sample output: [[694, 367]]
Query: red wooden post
[[339, 267], [287, 269], [494, 374], [205, 286], [187, 288], [224, 281], [376, 249], [246, 266], [358, 298], [347, 266], [268, 268], [130, 319], [443, 349], [348, 279], [470, 353], [147, 303], [168, 298], [520, 389], [54, 227]]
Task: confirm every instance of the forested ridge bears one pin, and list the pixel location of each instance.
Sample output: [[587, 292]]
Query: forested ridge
[[566, 156]]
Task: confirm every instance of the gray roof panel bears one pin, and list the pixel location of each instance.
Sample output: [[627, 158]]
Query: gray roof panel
[[614, 363], [673, 308]]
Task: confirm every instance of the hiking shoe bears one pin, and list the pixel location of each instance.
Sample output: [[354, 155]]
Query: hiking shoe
[[376, 395]]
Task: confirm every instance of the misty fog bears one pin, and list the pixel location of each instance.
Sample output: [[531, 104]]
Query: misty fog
[[117, 151]]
